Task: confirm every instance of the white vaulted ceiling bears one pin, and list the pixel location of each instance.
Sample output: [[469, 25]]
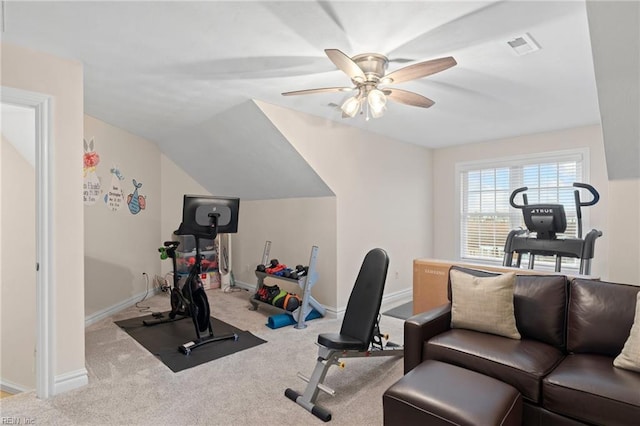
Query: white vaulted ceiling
[[160, 68]]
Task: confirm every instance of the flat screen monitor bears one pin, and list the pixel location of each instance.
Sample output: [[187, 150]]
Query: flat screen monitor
[[196, 219]]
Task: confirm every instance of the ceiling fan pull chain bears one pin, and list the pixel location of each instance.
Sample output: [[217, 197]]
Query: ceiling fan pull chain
[[367, 107]]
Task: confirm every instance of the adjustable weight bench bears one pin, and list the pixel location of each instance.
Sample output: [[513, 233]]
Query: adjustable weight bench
[[359, 335]]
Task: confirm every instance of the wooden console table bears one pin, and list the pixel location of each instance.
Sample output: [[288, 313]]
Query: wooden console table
[[431, 276]]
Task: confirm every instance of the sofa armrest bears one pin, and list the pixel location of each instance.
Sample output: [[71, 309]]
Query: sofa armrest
[[422, 327]]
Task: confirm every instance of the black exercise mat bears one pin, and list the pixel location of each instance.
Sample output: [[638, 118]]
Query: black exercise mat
[[163, 340], [403, 311]]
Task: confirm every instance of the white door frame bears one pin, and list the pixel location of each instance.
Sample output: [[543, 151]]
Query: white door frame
[[45, 309]]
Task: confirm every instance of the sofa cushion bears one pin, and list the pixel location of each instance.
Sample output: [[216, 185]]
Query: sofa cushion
[[600, 316], [539, 304], [483, 303], [520, 363], [589, 388], [629, 358]]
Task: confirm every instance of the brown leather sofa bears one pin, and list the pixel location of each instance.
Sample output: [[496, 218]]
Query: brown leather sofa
[[563, 366]]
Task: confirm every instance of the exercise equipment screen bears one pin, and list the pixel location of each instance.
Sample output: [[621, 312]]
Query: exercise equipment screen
[[196, 212]]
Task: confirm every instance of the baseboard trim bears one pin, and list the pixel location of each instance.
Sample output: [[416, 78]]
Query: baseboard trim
[[243, 285], [389, 301], [12, 388], [71, 380], [114, 309]]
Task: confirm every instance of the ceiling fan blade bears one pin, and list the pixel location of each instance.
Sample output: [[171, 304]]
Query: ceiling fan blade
[[320, 90], [421, 69], [408, 98], [345, 63]]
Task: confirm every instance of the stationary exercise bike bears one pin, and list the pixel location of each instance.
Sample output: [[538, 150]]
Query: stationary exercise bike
[[202, 217], [193, 291], [179, 303]]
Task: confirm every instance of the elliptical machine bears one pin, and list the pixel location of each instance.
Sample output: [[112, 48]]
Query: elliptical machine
[[546, 221]]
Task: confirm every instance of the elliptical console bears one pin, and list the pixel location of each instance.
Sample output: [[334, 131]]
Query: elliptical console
[[546, 221]]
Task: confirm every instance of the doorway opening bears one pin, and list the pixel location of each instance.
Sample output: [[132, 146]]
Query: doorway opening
[[45, 319]]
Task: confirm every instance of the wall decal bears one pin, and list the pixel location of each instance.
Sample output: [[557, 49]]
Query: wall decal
[[92, 185], [114, 198], [136, 202]]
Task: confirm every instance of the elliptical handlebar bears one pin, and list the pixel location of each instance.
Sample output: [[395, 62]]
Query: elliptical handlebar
[[592, 190], [580, 204], [513, 196]]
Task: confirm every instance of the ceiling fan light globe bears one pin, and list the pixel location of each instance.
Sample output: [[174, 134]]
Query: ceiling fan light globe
[[377, 113], [351, 106], [377, 100]]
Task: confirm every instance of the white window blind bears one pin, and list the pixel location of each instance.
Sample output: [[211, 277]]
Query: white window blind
[[485, 213]]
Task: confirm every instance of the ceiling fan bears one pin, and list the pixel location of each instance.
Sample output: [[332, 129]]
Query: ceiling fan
[[367, 72]]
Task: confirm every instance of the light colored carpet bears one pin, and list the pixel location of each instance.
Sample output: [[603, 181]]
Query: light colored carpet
[[128, 385]]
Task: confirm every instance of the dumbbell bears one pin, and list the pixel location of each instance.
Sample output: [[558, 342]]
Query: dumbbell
[[276, 270], [169, 249], [272, 264], [300, 271]]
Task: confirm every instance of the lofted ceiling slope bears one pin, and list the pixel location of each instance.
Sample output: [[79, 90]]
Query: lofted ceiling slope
[[615, 35], [251, 161]]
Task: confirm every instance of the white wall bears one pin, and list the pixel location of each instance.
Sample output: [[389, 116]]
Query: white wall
[[293, 226], [383, 194], [18, 276], [447, 219], [624, 231], [119, 245], [174, 183], [62, 79]]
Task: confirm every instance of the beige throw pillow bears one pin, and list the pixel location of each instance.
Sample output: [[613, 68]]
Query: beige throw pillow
[[629, 358], [483, 303]]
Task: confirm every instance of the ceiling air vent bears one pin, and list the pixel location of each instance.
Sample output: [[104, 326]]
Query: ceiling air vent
[[523, 45]]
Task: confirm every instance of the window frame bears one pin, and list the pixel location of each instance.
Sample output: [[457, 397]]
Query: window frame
[[580, 154]]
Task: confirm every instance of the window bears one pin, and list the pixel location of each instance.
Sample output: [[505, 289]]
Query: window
[[485, 188]]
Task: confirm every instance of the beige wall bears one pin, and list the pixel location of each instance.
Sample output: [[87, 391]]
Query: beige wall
[[624, 231], [62, 79], [606, 215], [383, 193], [293, 226], [174, 183], [119, 245], [17, 276]]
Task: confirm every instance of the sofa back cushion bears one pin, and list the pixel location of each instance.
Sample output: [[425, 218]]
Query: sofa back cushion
[[539, 303], [541, 307], [600, 316]]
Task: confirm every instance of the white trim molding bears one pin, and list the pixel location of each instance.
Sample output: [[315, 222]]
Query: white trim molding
[[12, 388], [45, 284], [114, 309], [71, 380]]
